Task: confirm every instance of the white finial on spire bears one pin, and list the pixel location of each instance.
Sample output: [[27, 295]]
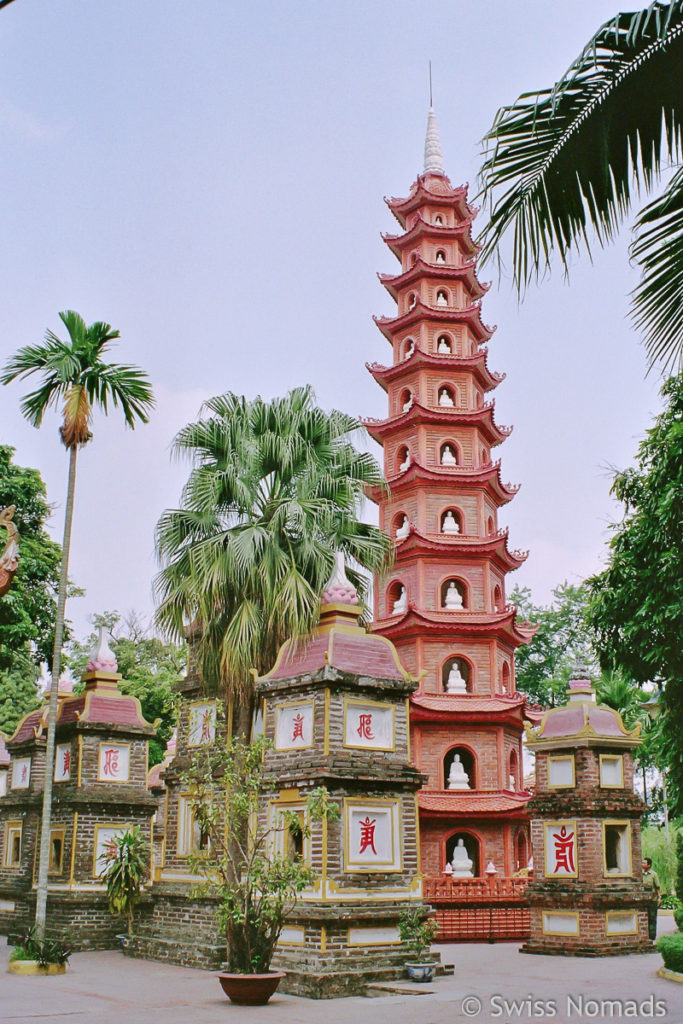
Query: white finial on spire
[[433, 155], [339, 588]]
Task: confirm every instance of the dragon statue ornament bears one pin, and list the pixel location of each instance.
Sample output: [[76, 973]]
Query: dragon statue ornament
[[9, 559]]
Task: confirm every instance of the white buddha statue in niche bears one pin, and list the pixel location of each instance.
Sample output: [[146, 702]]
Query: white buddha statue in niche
[[404, 529], [441, 299], [407, 405], [450, 523], [448, 456], [461, 863], [456, 683], [401, 602], [444, 347], [406, 463], [453, 598], [409, 351], [457, 776], [445, 399], [440, 257]]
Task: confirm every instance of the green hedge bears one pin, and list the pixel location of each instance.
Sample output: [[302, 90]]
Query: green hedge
[[671, 948]]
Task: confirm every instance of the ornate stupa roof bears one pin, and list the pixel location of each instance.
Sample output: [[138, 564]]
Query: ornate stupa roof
[[582, 719], [338, 641]]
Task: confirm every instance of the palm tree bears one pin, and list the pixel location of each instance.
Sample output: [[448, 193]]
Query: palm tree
[[633, 704], [561, 164], [273, 493], [74, 376]]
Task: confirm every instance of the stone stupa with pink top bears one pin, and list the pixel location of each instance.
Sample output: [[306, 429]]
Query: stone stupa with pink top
[[335, 710]]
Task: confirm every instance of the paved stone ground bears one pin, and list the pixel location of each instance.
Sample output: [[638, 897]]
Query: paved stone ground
[[108, 988]]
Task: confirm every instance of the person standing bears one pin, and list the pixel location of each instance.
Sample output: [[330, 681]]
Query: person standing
[[651, 883]]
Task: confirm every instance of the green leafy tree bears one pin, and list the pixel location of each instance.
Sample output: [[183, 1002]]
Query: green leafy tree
[[28, 610], [74, 375], [561, 165], [563, 638], [126, 863], [274, 491], [661, 849], [150, 668], [636, 603]]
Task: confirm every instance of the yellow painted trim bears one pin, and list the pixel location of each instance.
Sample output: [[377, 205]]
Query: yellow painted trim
[[296, 704], [621, 914], [323, 938], [408, 728], [201, 703], [563, 785], [566, 913], [14, 825], [230, 716], [353, 867], [287, 796], [114, 743], [621, 823], [326, 735], [558, 824], [369, 704], [80, 758], [73, 849], [151, 848], [612, 785]]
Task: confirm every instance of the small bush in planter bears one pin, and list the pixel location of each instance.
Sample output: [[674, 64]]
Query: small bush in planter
[[250, 859], [126, 862], [671, 948], [417, 933], [41, 951]]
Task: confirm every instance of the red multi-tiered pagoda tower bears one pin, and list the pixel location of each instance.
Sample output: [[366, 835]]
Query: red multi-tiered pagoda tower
[[444, 604]]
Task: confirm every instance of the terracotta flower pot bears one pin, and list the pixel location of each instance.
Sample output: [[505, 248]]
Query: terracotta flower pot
[[250, 989]]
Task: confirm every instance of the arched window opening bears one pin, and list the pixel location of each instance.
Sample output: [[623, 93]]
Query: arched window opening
[[459, 769], [440, 256], [449, 454], [521, 852], [403, 458], [505, 677], [405, 400], [489, 525], [444, 345], [453, 595], [438, 219], [446, 397], [451, 521], [408, 348], [441, 297], [412, 300], [397, 598], [401, 526], [497, 599], [484, 455], [479, 400], [456, 675], [463, 854], [513, 771]]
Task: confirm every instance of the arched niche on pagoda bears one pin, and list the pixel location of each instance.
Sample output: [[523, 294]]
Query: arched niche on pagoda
[[497, 598], [478, 399], [442, 297], [471, 842], [490, 525], [438, 219], [414, 257], [447, 590], [468, 759], [440, 256], [449, 519], [446, 396], [521, 850], [403, 458], [406, 348], [513, 771], [505, 677], [399, 529], [484, 456], [411, 300], [445, 345], [405, 401], [464, 667], [450, 454], [396, 597]]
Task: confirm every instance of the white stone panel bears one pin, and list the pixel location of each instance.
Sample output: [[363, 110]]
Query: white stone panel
[[560, 772], [369, 725], [560, 848], [21, 773], [621, 924], [114, 762], [560, 924], [202, 724], [292, 935], [62, 762], [612, 771], [372, 841], [294, 726], [103, 839], [373, 937]]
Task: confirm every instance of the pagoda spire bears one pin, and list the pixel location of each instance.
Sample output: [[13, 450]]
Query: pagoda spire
[[433, 155]]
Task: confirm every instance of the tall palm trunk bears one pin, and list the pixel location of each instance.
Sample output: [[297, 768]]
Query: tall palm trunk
[[44, 855]]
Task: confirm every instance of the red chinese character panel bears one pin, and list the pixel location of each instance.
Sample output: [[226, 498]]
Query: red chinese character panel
[[560, 848]]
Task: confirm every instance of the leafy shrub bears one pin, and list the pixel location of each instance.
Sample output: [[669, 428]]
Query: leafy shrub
[[679, 869], [417, 932], [662, 852], [43, 951], [671, 948], [678, 917], [126, 862]]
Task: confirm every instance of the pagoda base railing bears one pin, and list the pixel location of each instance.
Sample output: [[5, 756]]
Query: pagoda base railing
[[478, 909]]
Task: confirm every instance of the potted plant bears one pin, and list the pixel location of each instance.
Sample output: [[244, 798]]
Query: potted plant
[[39, 956], [417, 933], [249, 859], [126, 860]]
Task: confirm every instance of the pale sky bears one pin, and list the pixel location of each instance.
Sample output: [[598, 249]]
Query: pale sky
[[208, 177]]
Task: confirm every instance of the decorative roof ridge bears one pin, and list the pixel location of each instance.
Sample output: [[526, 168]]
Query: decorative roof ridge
[[491, 542], [463, 224], [452, 473]]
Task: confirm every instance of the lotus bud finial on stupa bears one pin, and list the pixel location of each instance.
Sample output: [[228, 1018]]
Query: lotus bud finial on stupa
[[338, 589], [102, 658]]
